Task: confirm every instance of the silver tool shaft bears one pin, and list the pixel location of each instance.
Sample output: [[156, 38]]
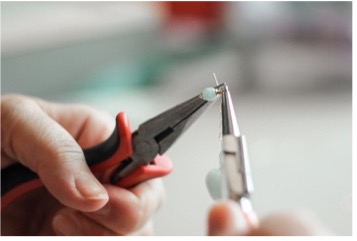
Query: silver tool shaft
[[237, 182]]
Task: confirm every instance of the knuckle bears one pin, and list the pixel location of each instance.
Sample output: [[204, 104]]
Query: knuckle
[[84, 108], [64, 153], [12, 97], [14, 109], [68, 149], [14, 104]]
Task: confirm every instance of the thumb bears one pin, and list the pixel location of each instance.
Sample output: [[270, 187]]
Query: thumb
[[30, 136], [226, 218]]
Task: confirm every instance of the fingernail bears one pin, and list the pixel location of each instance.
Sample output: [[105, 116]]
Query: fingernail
[[89, 187], [64, 225]]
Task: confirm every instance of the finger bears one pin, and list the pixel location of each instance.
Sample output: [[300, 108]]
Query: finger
[[151, 195], [227, 218], [299, 223], [128, 210], [146, 230], [87, 125], [70, 222], [6, 160], [30, 136]]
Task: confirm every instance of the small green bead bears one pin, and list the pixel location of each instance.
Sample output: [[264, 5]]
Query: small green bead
[[209, 94]]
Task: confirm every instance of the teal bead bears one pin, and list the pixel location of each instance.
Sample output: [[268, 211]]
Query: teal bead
[[209, 94]]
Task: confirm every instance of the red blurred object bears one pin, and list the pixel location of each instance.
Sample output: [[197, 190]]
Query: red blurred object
[[208, 14]]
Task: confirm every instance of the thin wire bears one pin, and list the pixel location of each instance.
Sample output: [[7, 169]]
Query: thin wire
[[220, 136], [215, 78]]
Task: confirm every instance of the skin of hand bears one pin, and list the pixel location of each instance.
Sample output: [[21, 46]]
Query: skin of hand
[[227, 219], [48, 138]]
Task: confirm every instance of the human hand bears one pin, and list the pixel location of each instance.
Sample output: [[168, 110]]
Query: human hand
[[227, 219], [48, 139]]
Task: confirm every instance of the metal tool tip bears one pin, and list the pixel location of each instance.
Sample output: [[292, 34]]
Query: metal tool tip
[[229, 119], [221, 88]]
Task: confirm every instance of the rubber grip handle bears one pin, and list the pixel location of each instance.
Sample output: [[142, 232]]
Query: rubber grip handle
[[103, 160]]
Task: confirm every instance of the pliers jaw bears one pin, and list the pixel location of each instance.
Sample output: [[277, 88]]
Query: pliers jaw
[[167, 127], [229, 119], [155, 136]]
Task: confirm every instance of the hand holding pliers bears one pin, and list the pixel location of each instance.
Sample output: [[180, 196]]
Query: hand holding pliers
[[126, 158]]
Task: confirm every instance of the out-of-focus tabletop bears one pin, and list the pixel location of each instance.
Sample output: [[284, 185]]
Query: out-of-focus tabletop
[[288, 66]]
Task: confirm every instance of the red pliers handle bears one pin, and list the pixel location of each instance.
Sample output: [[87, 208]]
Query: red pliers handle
[[103, 160]]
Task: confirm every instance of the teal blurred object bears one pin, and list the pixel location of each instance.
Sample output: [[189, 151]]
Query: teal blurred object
[[144, 71], [119, 76]]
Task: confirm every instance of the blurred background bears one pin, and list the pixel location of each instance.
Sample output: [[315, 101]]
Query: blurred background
[[288, 65]]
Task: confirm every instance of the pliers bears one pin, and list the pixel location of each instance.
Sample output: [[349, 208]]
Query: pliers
[[126, 158], [237, 183]]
